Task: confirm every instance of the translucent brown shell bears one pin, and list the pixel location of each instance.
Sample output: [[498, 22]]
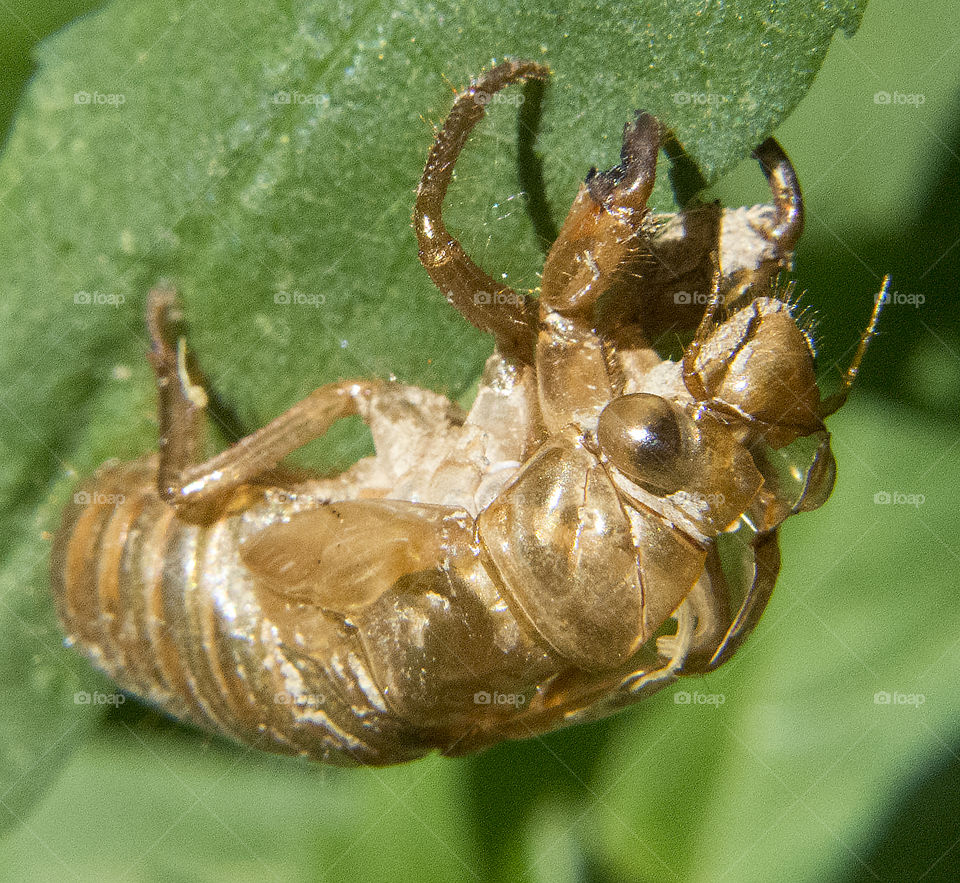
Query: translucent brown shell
[[549, 557]]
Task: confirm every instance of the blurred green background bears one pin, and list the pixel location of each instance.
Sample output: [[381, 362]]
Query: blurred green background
[[800, 774]]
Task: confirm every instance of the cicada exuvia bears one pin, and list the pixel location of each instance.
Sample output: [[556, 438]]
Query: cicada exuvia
[[549, 557]]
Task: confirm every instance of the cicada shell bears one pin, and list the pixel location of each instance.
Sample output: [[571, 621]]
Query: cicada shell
[[549, 557]]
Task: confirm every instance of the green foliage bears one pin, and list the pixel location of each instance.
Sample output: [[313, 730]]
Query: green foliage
[[22, 26]]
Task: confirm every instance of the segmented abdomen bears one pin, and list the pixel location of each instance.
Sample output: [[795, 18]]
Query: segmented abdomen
[[169, 611]]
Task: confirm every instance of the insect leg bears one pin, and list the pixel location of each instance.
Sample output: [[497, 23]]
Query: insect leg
[[604, 225], [716, 638], [765, 550], [642, 683], [576, 698], [577, 370], [691, 376], [196, 488], [181, 402], [709, 602], [787, 199], [488, 304], [784, 233]]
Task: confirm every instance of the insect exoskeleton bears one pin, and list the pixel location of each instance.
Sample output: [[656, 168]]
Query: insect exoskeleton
[[549, 557]]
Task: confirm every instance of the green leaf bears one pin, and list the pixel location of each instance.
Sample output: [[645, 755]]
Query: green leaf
[[22, 26], [156, 142], [138, 803]]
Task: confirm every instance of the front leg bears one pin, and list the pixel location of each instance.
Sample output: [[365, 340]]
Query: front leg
[[706, 637], [787, 198], [577, 370], [197, 489], [764, 551], [784, 233], [604, 227], [709, 603], [484, 302]]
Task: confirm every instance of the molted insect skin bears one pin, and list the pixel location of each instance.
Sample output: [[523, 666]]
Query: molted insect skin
[[484, 576], [174, 614], [575, 573], [194, 618], [170, 612]]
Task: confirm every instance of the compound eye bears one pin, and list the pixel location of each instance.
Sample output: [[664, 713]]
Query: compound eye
[[642, 436]]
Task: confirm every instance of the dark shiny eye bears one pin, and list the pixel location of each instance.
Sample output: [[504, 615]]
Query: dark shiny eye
[[642, 436]]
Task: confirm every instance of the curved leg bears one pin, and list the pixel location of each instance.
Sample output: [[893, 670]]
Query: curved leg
[[484, 302], [583, 699], [196, 488], [709, 602], [766, 566], [181, 403], [788, 222], [577, 370], [604, 225], [787, 198], [701, 637]]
